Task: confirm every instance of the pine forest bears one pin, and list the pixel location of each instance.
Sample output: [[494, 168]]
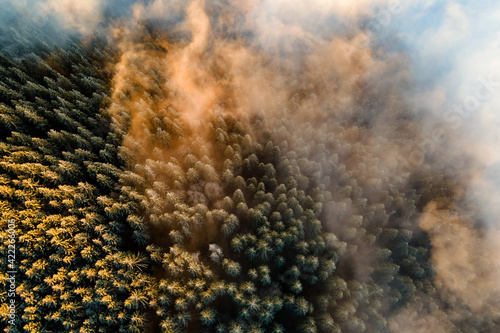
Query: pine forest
[[229, 166]]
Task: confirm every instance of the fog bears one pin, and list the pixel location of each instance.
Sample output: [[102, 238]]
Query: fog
[[414, 85]]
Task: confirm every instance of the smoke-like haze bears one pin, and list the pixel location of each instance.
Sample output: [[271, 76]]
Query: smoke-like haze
[[454, 48], [419, 82], [246, 57]]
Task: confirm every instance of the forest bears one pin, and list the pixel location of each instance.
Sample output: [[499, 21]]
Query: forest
[[154, 191]]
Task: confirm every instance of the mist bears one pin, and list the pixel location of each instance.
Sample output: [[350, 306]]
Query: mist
[[398, 93]]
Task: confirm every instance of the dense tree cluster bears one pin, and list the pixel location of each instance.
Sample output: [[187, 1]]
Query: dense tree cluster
[[290, 223], [59, 169]]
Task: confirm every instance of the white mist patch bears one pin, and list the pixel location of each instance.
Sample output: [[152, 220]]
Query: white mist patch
[[81, 16], [464, 261]]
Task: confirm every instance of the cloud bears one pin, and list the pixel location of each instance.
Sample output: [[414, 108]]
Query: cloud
[[465, 261], [82, 16], [454, 28]]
